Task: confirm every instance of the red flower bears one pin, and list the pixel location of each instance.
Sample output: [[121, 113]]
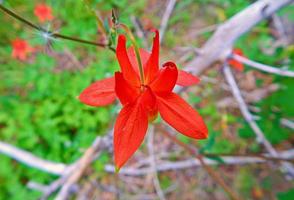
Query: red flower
[[20, 49], [234, 63], [142, 101], [43, 12]]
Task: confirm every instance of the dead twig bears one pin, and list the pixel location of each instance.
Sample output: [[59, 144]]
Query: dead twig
[[263, 67], [189, 163], [287, 123], [31, 160], [169, 9], [250, 120], [217, 47], [150, 146], [209, 170]]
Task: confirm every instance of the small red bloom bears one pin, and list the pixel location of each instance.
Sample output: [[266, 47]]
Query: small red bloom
[[234, 63], [142, 101], [43, 12], [20, 49]]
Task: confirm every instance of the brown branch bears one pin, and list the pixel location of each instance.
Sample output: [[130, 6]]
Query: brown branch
[[209, 170], [219, 45], [189, 163], [78, 169]]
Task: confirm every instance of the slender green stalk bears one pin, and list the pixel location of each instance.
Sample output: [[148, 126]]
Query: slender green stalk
[[137, 52]]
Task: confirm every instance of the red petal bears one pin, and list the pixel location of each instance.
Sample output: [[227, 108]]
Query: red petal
[[100, 93], [236, 64], [124, 91], [166, 79], [144, 55], [186, 79], [126, 67], [130, 128], [152, 64], [180, 115]]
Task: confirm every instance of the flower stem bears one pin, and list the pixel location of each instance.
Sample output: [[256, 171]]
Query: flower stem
[[56, 35], [137, 52]]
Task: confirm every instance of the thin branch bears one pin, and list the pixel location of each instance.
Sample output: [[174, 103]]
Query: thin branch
[[263, 67], [249, 118], [150, 146], [287, 123], [209, 170], [189, 163], [52, 34], [169, 9], [227, 33], [31, 160], [79, 169]]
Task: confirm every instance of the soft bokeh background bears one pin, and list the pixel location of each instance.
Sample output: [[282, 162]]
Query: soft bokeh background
[[40, 112]]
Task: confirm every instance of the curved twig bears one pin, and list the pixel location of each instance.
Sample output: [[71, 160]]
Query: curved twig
[[263, 67]]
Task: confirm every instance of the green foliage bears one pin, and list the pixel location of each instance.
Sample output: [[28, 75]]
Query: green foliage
[[286, 195]]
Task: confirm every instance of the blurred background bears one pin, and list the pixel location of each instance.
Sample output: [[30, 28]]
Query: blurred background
[[40, 112]]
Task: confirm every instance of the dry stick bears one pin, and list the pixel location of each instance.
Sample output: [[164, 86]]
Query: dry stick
[[169, 9], [150, 146], [248, 117], [32, 160], [74, 171], [227, 33], [79, 169], [189, 163], [287, 123], [51, 34], [263, 67], [209, 170]]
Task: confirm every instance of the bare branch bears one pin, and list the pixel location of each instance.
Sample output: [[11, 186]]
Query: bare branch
[[165, 18], [31, 160], [287, 123], [184, 164], [250, 120], [263, 67], [223, 39]]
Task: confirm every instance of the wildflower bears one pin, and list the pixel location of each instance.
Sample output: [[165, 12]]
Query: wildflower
[[234, 63], [143, 97], [43, 12], [20, 49]]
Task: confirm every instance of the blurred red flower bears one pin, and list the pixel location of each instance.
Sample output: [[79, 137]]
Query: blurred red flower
[[43, 12], [20, 49], [234, 63], [142, 101]]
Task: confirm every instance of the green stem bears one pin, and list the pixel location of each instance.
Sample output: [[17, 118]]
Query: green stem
[[56, 35], [137, 52]]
